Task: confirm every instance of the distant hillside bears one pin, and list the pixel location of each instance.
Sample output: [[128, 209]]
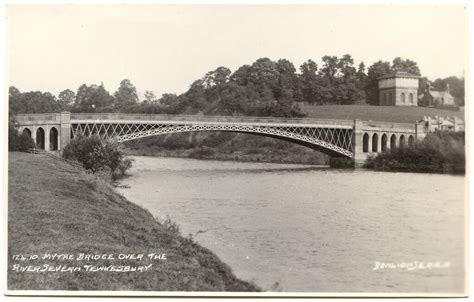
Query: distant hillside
[[377, 113]]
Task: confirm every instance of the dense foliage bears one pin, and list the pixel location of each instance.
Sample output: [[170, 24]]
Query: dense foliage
[[439, 152], [97, 155], [264, 88]]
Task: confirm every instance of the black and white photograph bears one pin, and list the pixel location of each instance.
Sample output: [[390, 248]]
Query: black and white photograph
[[236, 150]]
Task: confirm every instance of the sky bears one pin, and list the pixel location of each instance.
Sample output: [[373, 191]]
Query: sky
[[164, 48]]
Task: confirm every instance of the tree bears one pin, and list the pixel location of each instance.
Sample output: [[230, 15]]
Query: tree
[[375, 71], [241, 75], [264, 76], [288, 85], [150, 97], [126, 94], [15, 104], [309, 82], [339, 81], [66, 99], [92, 98], [361, 82], [407, 65], [216, 77]]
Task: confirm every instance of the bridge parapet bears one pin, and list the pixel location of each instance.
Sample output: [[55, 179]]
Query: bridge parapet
[[387, 126], [41, 118]]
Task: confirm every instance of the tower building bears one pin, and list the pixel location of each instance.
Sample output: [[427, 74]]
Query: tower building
[[398, 89]]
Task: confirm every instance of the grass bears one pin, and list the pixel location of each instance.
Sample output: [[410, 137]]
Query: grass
[[377, 113], [54, 207]]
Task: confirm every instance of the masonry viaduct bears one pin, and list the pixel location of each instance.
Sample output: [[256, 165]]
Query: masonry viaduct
[[354, 139]]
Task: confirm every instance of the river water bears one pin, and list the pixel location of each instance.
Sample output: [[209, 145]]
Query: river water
[[304, 228]]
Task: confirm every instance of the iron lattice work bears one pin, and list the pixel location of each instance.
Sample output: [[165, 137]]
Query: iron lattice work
[[335, 140]]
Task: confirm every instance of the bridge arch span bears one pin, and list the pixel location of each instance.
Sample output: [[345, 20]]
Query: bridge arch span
[[402, 142], [297, 138], [365, 143], [375, 142], [53, 138], [384, 143], [40, 138], [26, 131]]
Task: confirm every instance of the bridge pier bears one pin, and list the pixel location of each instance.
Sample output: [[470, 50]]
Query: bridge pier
[[64, 136], [357, 140]]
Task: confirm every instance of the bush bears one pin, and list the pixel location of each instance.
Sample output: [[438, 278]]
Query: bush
[[124, 165], [439, 152], [17, 141], [97, 154]]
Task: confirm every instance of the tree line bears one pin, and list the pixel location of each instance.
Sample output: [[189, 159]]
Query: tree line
[[264, 88]]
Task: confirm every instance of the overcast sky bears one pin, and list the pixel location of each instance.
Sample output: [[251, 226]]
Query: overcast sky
[[166, 48]]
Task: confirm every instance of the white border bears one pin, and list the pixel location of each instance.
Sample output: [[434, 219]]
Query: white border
[[3, 151]]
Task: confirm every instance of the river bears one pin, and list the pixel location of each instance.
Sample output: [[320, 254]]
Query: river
[[304, 228]]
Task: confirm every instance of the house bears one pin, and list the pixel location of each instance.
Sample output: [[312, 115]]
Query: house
[[434, 98], [443, 123]]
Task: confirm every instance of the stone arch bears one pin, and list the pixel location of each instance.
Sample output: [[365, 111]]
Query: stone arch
[[411, 140], [402, 141], [384, 142], [40, 138], [53, 139], [375, 141], [402, 96], [393, 141], [26, 131], [410, 98], [365, 143]]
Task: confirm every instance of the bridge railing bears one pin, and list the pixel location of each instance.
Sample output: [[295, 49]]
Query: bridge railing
[[202, 118]]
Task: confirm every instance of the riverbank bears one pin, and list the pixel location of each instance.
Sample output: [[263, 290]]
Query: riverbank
[[56, 208]]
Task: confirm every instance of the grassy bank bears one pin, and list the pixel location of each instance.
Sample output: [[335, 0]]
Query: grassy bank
[[394, 114], [55, 208]]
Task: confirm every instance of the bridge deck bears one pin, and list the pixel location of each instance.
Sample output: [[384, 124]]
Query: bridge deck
[[52, 118]]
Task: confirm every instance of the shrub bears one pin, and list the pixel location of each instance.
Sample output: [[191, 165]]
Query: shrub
[[124, 165], [18, 141], [97, 154], [440, 152]]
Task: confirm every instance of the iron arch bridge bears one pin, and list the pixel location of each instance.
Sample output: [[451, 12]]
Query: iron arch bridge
[[354, 139]]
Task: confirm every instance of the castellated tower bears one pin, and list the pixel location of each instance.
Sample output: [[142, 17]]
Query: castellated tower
[[398, 89]]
